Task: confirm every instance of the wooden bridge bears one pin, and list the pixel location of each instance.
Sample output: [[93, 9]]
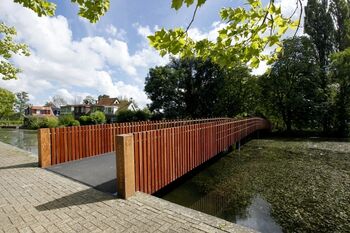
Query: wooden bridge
[[149, 155]]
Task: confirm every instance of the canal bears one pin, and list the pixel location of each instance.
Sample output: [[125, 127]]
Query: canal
[[21, 138], [289, 185]]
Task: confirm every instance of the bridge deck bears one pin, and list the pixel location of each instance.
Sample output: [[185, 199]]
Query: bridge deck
[[98, 172]]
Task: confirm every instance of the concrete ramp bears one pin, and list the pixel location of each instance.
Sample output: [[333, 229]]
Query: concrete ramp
[[98, 172]]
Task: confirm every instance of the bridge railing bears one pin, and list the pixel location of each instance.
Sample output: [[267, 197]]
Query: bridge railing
[[148, 161], [60, 145]]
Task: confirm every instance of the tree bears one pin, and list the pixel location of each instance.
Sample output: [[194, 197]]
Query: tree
[[7, 101], [102, 97], [58, 101], [89, 9], [340, 10], [292, 88], [246, 33], [239, 93], [162, 88], [340, 72], [98, 117], [185, 88], [328, 24], [22, 100], [89, 100], [320, 27], [8, 47]]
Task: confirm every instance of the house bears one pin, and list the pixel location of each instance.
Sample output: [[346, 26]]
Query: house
[[56, 110], [77, 110], [110, 106], [39, 111]]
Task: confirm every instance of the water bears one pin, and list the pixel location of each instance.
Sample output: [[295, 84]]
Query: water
[[256, 215], [21, 138], [276, 185]]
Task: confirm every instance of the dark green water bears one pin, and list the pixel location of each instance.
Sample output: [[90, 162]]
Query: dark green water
[[275, 186], [21, 138]]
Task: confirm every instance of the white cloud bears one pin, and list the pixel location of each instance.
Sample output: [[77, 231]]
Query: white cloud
[[62, 65], [117, 33], [144, 31], [196, 34]]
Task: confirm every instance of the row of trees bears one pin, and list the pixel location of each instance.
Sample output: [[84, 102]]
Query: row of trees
[[195, 88], [307, 87], [292, 92]]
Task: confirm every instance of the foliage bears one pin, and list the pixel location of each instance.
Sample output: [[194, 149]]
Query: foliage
[[11, 122], [89, 100], [7, 101], [22, 100], [319, 26], [247, 31], [184, 88], [132, 116], [8, 47], [328, 25], [98, 117], [68, 120], [239, 94], [340, 10], [37, 122], [293, 89], [85, 120], [89, 9], [340, 72]]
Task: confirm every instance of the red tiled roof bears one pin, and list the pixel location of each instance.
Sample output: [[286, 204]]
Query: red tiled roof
[[40, 108], [107, 101]]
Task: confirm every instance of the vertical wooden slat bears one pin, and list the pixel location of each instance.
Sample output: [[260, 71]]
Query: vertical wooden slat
[[53, 146]]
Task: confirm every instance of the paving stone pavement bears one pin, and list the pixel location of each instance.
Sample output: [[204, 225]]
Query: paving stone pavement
[[36, 200]]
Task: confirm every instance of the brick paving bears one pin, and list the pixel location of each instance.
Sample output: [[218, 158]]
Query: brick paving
[[36, 200]]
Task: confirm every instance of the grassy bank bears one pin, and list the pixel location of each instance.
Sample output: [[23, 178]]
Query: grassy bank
[[307, 182]]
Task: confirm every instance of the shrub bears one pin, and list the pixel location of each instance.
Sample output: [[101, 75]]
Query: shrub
[[98, 117], [125, 116], [129, 115], [37, 122], [48, 122], [142, 115], [32, 122], [68, 120], [85, 120], [75, 123]]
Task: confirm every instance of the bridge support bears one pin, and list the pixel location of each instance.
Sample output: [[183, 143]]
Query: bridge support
[[125, 165], [238, 145], [44, 148]]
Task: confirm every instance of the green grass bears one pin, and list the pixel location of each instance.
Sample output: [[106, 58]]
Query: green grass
[[307, 182], [11, 122]]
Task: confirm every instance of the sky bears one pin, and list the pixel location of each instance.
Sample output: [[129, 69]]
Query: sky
[[73, 58]]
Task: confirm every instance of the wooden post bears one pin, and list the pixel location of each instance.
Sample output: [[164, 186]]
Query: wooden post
[[44, 148], [125, 165]]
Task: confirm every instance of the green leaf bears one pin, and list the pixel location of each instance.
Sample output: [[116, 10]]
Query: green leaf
[[176, 4]]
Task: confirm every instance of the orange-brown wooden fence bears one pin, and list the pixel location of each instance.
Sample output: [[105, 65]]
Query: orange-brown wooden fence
[[59, 145], [163, 155]]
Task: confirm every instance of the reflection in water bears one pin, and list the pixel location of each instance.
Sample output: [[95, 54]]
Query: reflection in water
[[24, 139], [255, 214], [259, 217]]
